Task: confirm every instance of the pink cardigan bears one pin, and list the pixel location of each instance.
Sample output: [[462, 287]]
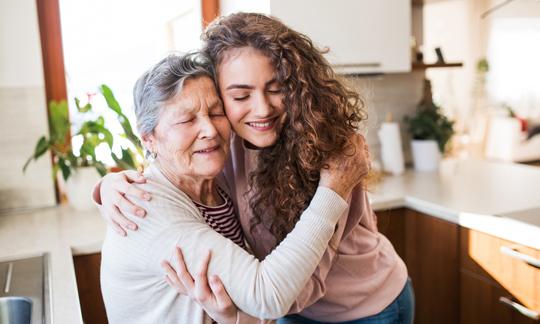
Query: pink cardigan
[[360, 279]]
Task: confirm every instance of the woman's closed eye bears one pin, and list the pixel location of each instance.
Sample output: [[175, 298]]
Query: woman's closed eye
[[186, 120], [274, 91], [240, 98]]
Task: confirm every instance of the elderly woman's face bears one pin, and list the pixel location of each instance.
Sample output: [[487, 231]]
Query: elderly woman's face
[[192, 134]]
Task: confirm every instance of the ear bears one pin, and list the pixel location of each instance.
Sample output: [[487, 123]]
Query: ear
[[149, 142]]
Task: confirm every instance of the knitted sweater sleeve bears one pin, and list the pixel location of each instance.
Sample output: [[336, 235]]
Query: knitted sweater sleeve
[[264, 289]]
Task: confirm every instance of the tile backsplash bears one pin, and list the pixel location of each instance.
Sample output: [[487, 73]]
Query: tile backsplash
[[397, 94], [23, 121]]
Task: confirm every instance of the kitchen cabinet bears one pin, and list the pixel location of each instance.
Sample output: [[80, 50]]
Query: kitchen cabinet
[[491, 269], [87, 271], [368, 36], [460, 275], [429, 247]]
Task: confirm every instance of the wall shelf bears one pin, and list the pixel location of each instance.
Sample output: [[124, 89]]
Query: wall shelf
[[420, 66]]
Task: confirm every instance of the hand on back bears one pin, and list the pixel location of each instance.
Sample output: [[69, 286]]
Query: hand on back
[[348, 170], [113, 190]]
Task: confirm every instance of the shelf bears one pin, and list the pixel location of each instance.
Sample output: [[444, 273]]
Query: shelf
[[419, 66]]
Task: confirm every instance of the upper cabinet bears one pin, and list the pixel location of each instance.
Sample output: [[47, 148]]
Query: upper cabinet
[[363, 36]]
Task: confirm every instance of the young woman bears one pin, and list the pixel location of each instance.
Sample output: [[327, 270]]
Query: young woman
[[290, 114]]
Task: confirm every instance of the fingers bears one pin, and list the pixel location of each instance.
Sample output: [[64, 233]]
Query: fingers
[[172, 278], [117, 228], [123, 183], [183, 273], [134, 176], [126, 206], [121, 220], [222, 298], [128, 188], [202, 291], [137, 192]]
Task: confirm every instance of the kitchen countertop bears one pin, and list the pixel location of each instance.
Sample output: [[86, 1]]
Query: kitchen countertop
[[62, 232], [500, 199], [491, 197]]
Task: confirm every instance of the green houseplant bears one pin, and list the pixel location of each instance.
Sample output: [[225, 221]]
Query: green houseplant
[[430, 131], [92, 133]]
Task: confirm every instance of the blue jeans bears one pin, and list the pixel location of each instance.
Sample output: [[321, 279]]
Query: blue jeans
[[401, 311]]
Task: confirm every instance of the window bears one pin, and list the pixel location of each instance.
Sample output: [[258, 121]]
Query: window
[[114, 42], [513, 55]]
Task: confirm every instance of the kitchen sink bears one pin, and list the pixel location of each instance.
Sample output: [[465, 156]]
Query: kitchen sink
[[25, 291]]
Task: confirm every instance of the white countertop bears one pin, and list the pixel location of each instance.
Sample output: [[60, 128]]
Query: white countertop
[[61, 232], [480, 195], [496, 198]]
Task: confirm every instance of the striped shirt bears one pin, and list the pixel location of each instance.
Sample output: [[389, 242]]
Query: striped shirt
[[223, 219]]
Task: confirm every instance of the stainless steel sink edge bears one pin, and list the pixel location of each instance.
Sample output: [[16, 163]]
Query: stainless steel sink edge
[[47, 290]]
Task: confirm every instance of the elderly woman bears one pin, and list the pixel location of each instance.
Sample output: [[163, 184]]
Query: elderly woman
[[185, 131]]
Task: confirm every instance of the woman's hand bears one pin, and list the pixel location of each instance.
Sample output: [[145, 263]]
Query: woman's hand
[[348, 170], [112, 191], [209, 293]]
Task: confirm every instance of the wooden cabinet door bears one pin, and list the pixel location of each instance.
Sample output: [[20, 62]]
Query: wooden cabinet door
[[391, 223], [432, 258], [87, 270], [500, 272], [480, 301]]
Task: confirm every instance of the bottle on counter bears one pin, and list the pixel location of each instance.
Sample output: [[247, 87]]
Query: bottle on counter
[[391, 149]]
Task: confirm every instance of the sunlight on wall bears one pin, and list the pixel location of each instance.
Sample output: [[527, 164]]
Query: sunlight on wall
[[114, 42]]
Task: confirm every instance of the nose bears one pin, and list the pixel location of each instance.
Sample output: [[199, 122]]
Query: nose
[[262, 107], [207, 128]]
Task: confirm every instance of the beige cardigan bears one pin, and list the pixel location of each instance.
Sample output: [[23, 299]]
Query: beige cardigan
[[132, 280]]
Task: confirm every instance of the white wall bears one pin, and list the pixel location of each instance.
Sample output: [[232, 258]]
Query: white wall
[[23, 114], [231, 6], [464, 36], [20, 57]]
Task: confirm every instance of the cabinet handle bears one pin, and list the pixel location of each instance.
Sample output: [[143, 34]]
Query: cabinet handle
[[511, 252], [520, 308]]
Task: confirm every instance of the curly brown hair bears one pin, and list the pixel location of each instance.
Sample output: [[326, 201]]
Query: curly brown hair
[[322, 114]]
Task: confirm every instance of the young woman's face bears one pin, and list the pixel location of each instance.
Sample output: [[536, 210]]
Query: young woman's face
[[252, 97]]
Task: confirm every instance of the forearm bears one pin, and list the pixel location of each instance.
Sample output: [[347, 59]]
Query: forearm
[[264, 289]]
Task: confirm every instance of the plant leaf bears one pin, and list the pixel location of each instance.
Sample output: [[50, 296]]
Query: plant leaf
[[41, 147], [122, 119], [66, 171], [83, 109], [126, 161]]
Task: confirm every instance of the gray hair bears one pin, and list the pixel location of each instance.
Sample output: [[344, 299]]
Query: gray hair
[[162, 82]]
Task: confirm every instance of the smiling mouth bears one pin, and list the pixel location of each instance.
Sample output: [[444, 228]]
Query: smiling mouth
[[208, 150], [263, 125]]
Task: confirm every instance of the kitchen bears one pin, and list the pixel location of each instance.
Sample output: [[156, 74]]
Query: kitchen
[[468, 229]]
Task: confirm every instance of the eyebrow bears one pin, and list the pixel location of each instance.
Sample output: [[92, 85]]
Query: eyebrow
[[249, 87]]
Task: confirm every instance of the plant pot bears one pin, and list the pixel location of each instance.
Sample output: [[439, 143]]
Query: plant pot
[[79, 188], [426, 155]]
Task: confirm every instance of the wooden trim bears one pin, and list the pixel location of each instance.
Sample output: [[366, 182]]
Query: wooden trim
[[210, 11], [419, 66], [53, 59], [51, 49]]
